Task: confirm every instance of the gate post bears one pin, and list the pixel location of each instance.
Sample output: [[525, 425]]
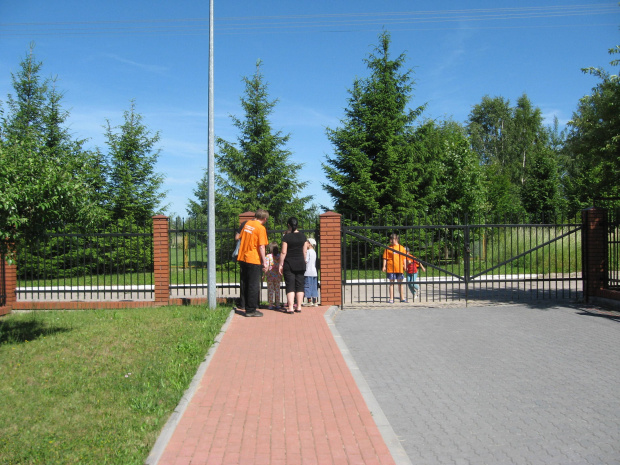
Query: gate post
[[331, 258], [594, 251], [10, 286], [161, 259]]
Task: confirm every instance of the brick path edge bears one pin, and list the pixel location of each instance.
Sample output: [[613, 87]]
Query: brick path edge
[[167, 431], [387, 432]]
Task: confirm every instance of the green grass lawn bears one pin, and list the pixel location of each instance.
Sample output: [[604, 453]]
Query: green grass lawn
[[96, 386]]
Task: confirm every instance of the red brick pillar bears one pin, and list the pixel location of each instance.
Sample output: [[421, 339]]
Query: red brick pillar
[[161, 259], [10, 283], [594, 250], [247, 216], [331, 259]]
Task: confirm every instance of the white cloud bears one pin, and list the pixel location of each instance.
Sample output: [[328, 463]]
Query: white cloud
[[143, 66]]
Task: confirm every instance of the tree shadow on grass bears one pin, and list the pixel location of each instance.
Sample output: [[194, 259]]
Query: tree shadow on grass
[[15, 332]]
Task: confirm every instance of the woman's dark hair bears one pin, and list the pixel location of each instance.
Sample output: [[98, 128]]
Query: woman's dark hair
[[292, 222]]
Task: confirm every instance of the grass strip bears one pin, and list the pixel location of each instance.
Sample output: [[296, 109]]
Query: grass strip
[[96, 386]]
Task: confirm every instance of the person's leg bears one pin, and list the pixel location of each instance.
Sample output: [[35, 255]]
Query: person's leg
[[300, 298], [416, 286], [307, 289], [271, 293], [402, 295], [314, 289], [300, 281], [242, 288], [289, 280], [253, 284], [276, 288], [410, 285], [290, 300]]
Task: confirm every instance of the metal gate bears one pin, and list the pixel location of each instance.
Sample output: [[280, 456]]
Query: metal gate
[[466, 261]]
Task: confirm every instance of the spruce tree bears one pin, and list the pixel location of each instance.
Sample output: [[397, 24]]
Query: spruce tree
[[256, 172], [134, 188], [375, 169]]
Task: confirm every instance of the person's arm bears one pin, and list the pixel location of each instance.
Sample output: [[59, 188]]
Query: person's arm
[[282, 256], [238, 233], [422, 266], [263, 259], [305, 251]]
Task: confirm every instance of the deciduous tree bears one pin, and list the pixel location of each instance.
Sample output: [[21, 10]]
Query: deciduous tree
[[42, 169], [593, 142]]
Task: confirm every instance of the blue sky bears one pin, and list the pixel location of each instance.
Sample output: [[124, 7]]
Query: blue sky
[[105, 54]]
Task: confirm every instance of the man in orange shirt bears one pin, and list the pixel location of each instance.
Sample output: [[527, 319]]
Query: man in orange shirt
[[394, 265], [251, 258]]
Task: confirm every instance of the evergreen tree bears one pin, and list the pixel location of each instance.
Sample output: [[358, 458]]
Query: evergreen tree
[[375, 169], [257, 171], [133, 191]]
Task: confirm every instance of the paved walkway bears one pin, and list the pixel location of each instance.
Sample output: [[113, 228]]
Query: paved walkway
[[276, 390], [401, 384], [496, 384]]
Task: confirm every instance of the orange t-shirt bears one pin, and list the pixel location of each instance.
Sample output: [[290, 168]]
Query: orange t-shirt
[[253, 235], [395, 262]]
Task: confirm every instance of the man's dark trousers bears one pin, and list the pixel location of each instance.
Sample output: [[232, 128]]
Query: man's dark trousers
[[251, 284]]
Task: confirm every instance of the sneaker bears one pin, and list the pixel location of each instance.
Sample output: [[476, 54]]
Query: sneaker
[[403, 301], [254, 313]]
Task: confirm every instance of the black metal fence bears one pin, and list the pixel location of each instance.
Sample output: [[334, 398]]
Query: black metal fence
[[114, 262], [612, 205], [466, 258], [188, 254]]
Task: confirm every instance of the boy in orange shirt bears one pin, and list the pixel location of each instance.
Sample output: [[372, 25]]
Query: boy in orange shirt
[[252, 261], [394, 265]]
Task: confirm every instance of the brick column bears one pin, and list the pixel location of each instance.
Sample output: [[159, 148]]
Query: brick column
[[161, 259], [10, 283], [594, 251], [247, 216], [331, 259]]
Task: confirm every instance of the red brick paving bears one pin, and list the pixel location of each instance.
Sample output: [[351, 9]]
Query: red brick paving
[[277, 391]]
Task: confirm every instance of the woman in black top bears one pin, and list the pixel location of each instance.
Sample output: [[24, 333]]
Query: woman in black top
[[293, 264]]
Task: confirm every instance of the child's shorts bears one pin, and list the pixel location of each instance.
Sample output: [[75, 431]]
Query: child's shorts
[[395, 276]]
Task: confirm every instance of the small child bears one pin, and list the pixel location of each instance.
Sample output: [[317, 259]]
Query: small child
[[311, 289], [273, 276], [412, 275]]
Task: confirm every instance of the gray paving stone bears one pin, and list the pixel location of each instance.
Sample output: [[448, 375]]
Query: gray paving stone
[[493, 384]]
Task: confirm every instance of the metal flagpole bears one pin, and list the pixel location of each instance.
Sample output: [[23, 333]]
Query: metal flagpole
[[211, 176]]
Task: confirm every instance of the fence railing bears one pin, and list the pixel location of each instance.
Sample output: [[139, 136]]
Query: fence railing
[[113, 263], [467, 257], [188, 254], [612, 206]]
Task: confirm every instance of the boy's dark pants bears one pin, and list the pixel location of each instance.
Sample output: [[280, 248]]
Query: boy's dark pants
[[250, 286]]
